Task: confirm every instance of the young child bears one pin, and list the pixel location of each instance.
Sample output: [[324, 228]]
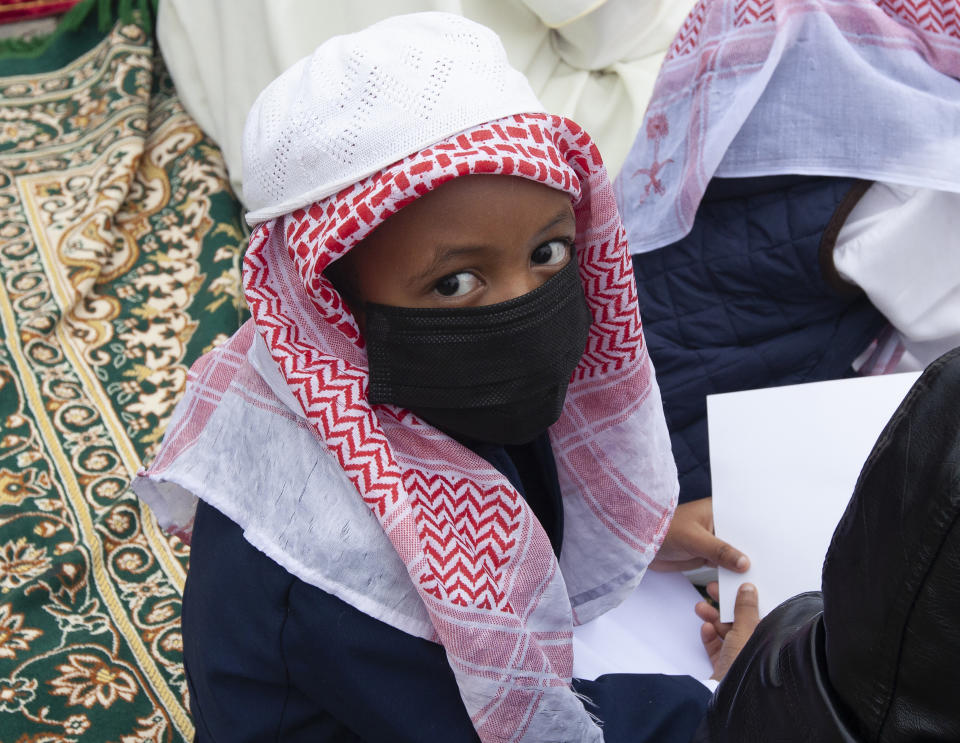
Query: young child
[[439, 443]]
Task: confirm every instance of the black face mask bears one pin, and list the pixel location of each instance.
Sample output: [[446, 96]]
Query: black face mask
[[497, 373]]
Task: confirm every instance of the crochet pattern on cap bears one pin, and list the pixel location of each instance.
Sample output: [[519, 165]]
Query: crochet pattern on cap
[[363, 101]]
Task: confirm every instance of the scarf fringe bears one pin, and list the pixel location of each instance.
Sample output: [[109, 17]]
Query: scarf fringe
[[587, 704]]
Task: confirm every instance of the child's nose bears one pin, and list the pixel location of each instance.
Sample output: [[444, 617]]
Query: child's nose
[[516, 286]]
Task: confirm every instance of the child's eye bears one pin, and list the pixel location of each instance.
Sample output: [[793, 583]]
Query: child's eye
[[456, 284], [551, 253]]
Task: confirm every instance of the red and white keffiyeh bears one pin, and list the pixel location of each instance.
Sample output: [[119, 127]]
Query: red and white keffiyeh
[[479, 561], [379, 508]]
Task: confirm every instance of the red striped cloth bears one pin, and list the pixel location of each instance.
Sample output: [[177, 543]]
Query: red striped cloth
[[19, 10]]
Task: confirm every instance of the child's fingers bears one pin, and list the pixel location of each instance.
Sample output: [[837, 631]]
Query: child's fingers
[[727, 556], [708, 632], [713, 644], [746, 609], [675, 566], [713, 590], [710, 639], [709, 614], [706, 612], [701, 542]]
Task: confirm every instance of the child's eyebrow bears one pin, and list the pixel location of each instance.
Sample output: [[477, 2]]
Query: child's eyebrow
[[564, 215], [446, 253], [442, 255]]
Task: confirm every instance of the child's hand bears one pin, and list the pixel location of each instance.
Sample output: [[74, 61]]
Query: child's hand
[[724, 641], [690, 542]]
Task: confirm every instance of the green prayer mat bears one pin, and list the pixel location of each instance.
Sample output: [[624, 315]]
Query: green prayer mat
[[120, 243]]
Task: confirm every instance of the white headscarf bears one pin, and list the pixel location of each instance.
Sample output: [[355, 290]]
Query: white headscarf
[[850, 88]]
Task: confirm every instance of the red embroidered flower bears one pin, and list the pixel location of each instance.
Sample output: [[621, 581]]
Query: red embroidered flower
[[657, 127]]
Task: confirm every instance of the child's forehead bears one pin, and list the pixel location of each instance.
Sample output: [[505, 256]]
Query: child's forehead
[[494, 202]]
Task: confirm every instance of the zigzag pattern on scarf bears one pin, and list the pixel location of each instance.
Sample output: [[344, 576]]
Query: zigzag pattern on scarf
[[471, 546], [333, 394], [746, 12], [616, 338], [445, 511], [687, 39], [935, 16], [463, 561]]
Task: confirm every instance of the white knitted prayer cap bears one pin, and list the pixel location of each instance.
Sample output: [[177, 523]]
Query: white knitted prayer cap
[[362, 101]]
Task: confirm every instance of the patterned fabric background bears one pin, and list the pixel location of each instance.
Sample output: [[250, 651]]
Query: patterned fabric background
[[120, 244]]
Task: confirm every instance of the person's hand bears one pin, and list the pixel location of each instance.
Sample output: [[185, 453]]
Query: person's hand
[[690, 542], [723, 641]]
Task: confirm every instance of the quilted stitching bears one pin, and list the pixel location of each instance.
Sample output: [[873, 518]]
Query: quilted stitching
[[739, 303]]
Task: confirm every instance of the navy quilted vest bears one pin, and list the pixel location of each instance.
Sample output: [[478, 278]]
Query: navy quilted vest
[[742, 303]]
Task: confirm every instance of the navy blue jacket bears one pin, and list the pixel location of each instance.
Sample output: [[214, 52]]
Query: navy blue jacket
[[271, 658], [748, 300]]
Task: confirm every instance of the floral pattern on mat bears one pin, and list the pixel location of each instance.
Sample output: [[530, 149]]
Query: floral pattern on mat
[[120, 244]]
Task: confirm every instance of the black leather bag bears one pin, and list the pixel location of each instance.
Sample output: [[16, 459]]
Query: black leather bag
[[876, 656]]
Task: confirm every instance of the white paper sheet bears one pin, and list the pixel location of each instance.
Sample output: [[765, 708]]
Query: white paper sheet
[[653, 631], [784, 462]]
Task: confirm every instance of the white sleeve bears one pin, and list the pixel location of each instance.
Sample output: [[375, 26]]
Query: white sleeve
[[901, 245]]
